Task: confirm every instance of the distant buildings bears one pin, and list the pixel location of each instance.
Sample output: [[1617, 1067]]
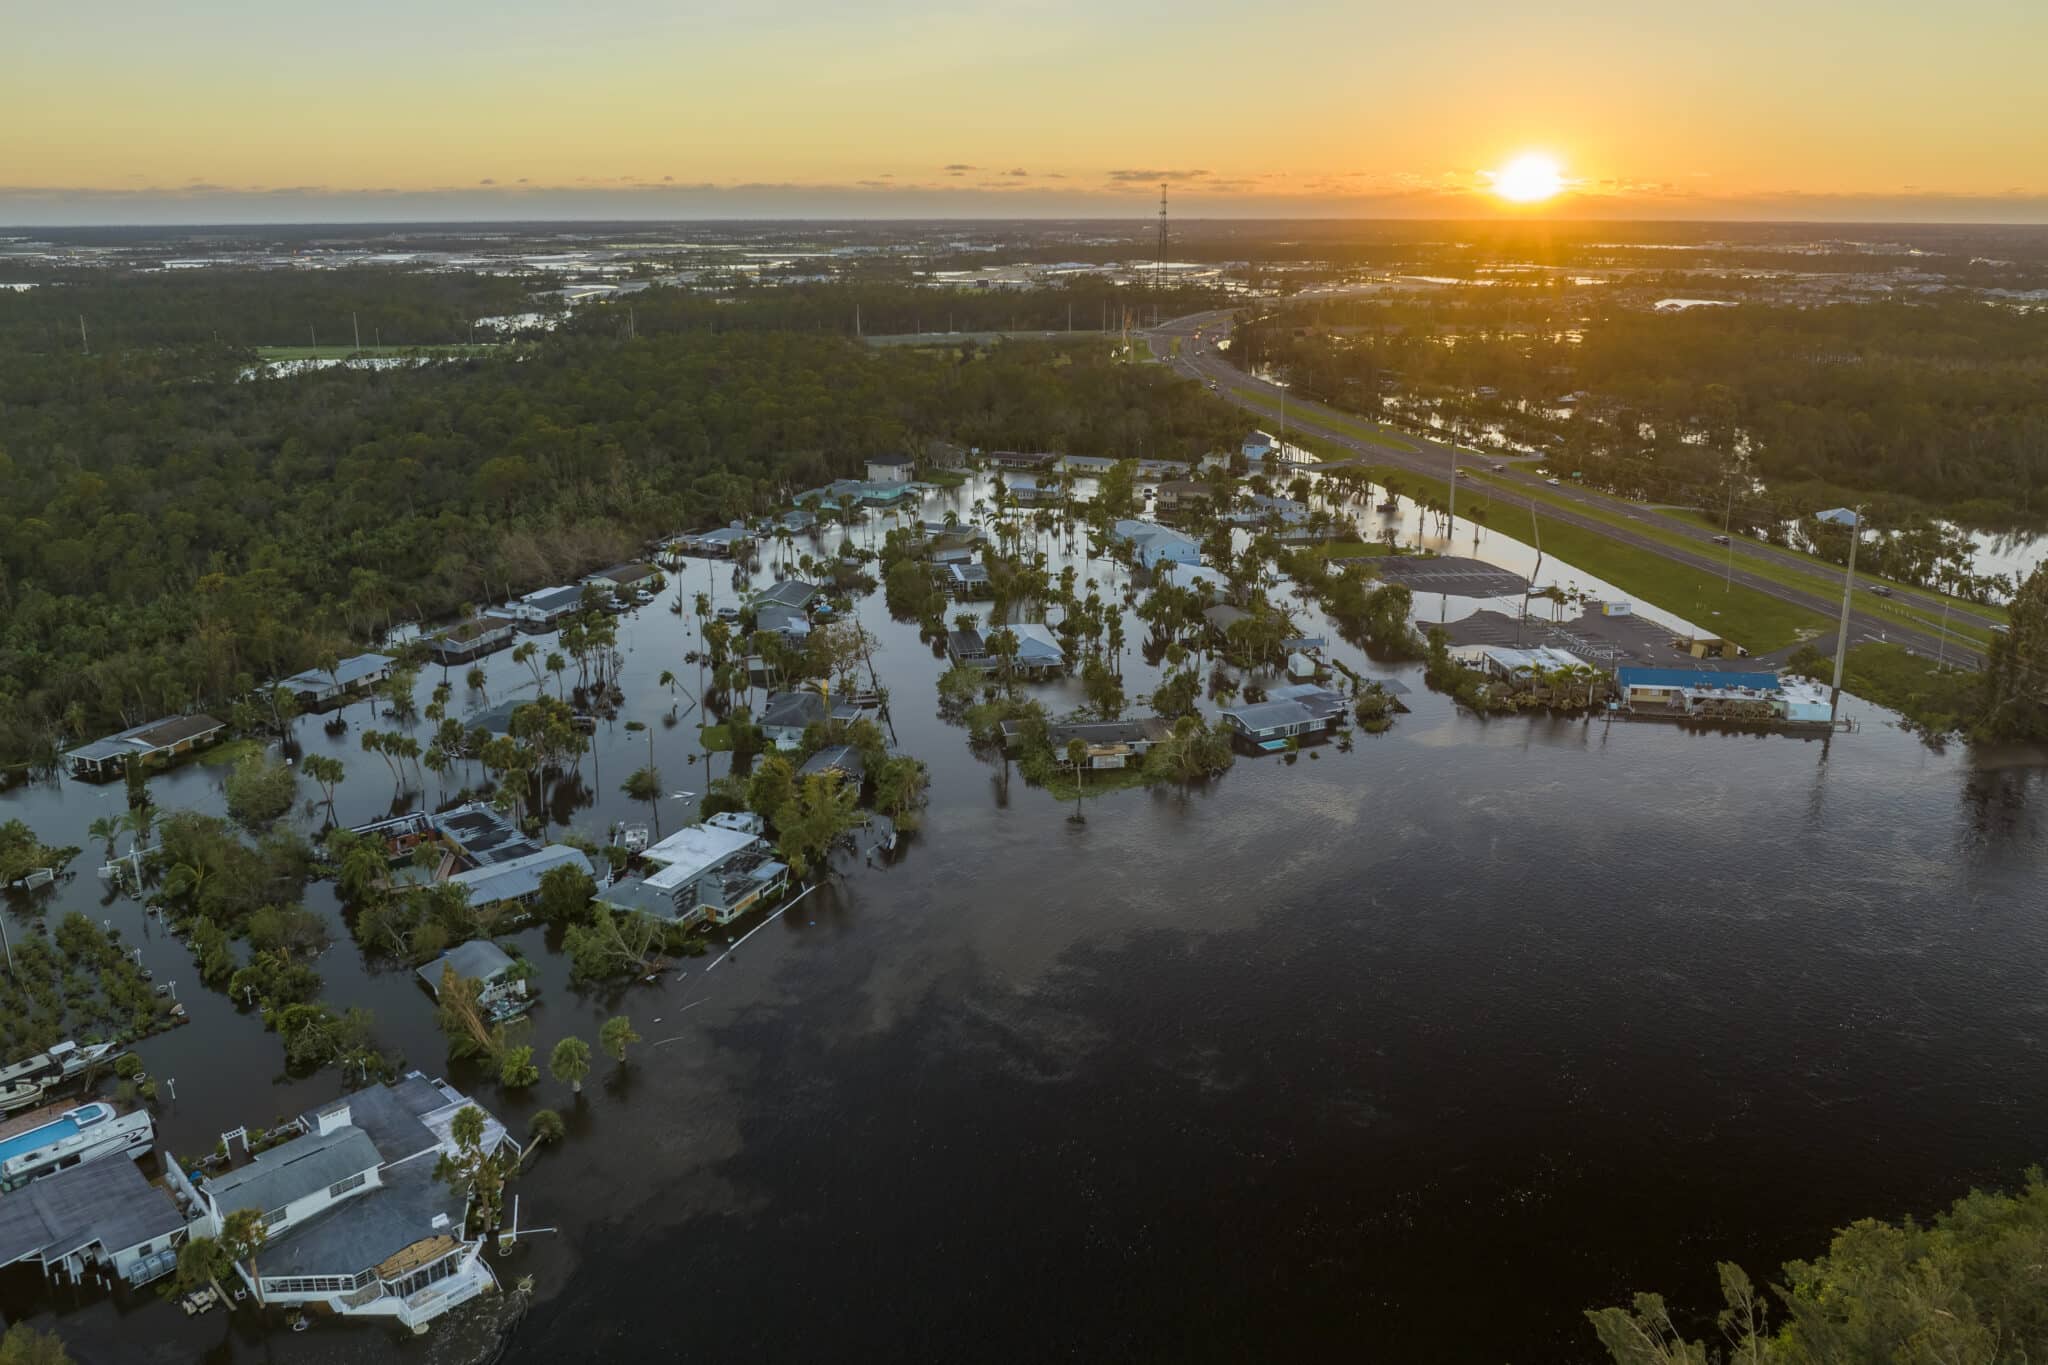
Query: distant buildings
[[153, 743]]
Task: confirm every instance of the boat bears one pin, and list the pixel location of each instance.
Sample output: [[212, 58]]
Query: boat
[[63, 1062], [18, 1095], [91, 1132]]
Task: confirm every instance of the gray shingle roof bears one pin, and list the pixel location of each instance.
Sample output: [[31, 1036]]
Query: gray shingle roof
[[358, 1233], [518, 877], [295, 1169], [1265, 715], [793, 709], [790, 592], [346, 672], [477, 960], [108, 1202]]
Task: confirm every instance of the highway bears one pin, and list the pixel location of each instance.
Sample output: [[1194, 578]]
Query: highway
[[1434, 460]]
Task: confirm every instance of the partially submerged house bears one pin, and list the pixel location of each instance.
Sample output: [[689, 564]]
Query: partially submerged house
[[358, 1224], [1110, 743], [624, 580], [788, 714], [967, 582], [890, 468], [714, 871], [101, 1221], [470, 640], [793, 593], [1152, 544], [843, 759], [153, 743], [516, 880], [542, 609], [1038, 652], [1270, 724], [352, 677], [721, 542]]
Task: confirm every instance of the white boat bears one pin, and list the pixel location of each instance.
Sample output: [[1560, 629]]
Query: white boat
[[61, 1063], [19, 1095], [91, 1132]]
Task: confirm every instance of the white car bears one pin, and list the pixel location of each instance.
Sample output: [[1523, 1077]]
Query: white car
[[1552, 482]]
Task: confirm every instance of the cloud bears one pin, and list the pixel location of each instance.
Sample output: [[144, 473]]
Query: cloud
[[1138, 177], [486, 182], [958, 168], [1020, 173]]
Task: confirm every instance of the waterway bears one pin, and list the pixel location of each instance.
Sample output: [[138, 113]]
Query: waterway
[[1299, 1064]]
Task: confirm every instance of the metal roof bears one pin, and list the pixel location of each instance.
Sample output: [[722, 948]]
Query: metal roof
[[1694, 677], [292, 1170], [691, 851], [344, 673], [477, 960], [1267, 715], [1035, 643], [518, 877]]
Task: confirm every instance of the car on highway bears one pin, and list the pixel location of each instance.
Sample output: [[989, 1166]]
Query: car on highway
[[1212, 383], [1553, 482], [1880, 590], [1500, 469], [1720, 540]]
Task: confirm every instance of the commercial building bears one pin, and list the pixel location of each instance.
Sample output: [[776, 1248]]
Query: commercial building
[[1708, 694], [156, 742], [1515, 665]]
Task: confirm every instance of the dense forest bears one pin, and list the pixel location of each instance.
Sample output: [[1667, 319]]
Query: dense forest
[[171, 534], [1938, 406]]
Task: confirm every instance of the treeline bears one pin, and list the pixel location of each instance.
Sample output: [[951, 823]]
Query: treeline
[[1940, 404], [885, 308], [224, 307], [169, 536]]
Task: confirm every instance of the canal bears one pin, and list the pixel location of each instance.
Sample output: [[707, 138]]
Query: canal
[[1413, 1051]]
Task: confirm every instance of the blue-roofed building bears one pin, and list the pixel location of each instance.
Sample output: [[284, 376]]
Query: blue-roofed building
[[353, 676], [1709, 694], [1152, 544], [1837, 516]]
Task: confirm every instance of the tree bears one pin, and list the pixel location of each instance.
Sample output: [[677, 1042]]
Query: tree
[[260, 790], [243, 1233], [813, 819], [900, 785], [569, 1063], [477, 1174], [2015, 705], [545, 1129], [772, 785], [1077, 758], [24, 1345], [616, 1036], [328, 772], [565, 894], [516, 1067]]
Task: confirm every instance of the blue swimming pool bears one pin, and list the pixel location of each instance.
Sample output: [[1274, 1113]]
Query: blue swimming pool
[[73, 1121]]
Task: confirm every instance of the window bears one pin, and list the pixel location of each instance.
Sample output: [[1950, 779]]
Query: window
[[275, 1216], [342, 1187]]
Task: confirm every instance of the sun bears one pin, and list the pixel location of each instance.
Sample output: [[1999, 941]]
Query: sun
[[1528, 179]]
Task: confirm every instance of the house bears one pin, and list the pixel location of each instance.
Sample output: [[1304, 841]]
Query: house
[[1026, 491], [542, 609], [516, 881], [481, 836], [843, 759], [351, 677], [357, 1223], [1152, 544], [858, 493], [1011, 459], [1197, 577], [1110, 743], [788, 714], [722, 542], [710, 870], [1837, 516], [1038, 652], [623, 580], [967, 647], [91, 1221], [1258, 446], [786, 592], [470, 640], [890, 468], [967, 582], [1222, 617], [156, 742], [1260, 510], [1270, 724], [796, 522], [1321, 702], [478, 960], [787, 622], [943, 535], [1177, 495]]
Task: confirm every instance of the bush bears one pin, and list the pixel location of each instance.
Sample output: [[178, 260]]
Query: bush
[[260, 789]]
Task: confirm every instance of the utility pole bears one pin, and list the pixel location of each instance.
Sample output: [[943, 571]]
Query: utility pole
[[1727, 534], [1842, 635], [358, 327], [84, 346], [1159, 262]]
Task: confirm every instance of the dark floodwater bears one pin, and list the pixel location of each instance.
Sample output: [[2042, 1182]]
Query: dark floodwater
[[1515, 1013]]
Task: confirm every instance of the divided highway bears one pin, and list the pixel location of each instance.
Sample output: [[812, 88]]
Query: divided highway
[[1434, 460]]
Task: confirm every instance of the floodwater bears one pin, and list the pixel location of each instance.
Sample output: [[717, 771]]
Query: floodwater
[[1287, 1066]]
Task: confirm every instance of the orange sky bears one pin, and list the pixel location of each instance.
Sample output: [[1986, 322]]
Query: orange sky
[[385, 109]]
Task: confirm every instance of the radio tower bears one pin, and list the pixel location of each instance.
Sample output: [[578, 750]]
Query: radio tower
[[1159, 265]]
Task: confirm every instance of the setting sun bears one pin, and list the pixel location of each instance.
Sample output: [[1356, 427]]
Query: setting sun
[[1528, 179]]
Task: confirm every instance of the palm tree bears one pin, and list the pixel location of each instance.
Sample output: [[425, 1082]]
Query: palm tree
[[616, 1036], [570, 1063], [546, 1127], [107, 828]]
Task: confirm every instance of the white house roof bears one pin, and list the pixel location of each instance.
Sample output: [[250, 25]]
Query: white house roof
[[347, 672], [689, 852], [516, 877]]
